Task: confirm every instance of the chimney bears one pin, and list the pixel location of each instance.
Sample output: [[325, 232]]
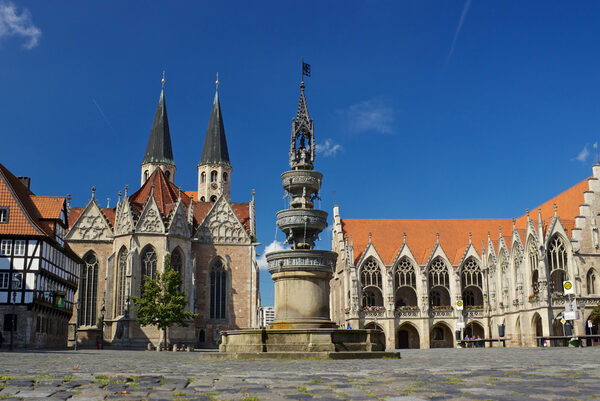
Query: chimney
[[25, 181]]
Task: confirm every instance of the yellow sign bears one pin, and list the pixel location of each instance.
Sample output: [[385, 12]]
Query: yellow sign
[[568, 285], [459, 304]]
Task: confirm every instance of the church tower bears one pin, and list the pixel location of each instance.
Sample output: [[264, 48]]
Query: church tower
[[214, 168], [159, 153]]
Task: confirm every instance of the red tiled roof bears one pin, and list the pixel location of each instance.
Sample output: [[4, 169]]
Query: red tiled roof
[[454, 234], [75, 212], [49, 207]]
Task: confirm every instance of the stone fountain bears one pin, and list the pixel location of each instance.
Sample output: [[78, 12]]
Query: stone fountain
[[301, 274]]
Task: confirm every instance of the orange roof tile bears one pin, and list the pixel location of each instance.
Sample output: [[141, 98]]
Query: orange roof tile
[[49, 207]]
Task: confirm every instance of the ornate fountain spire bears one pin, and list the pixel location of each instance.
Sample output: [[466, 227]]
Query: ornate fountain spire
[[302, 150]]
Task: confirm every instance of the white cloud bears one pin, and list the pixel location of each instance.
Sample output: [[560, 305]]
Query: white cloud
[[372, 115], [328, 148], [14, 24], [582, 155], [272, 247]]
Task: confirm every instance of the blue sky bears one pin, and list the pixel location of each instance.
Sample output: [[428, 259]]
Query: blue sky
[[435, 109]]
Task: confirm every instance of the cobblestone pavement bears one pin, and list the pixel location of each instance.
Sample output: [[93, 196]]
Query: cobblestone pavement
[[449, 374]]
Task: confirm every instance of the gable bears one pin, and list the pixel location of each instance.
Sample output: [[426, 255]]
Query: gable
[[150, 220], [179, 224], [91, 225], [124, 223], [19, 221], [222, 226]]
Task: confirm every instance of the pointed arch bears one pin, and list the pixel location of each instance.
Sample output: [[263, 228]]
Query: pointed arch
[[371, 283], [149, 259], [218, 289], [533, 261], [441, 336], [591, 280], [88, 290], [177, 262], [557, 262], [471, 282], [405, 281], [439, 283], [120, 301], [407, 336]]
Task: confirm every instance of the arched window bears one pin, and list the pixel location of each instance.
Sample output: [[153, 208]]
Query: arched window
[[532, 255], [225, 177], [438, 274], [471, 280], [168, 174], [146, 173], [203, 177], [405, 274], [148, 263], [177, 264], [557, 260], [121, 282], [370, 282], [88, 290], [218, 289], [592, 287], [213, 176]]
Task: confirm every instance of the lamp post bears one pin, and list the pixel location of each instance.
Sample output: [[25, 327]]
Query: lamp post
[[582, 313], [102, 312]]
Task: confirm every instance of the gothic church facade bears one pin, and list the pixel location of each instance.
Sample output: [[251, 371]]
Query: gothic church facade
[[211, 241]]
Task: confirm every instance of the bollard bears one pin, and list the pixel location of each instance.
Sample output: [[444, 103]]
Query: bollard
[[158, 348], [188, 348], [174, 347], [149, 347]]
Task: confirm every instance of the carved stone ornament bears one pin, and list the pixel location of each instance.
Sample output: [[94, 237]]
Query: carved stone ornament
[[222, 226], [125, 220], [179, 225], [91, 225], [150, 220]]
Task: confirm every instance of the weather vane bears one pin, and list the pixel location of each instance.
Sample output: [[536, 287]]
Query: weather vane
[[163, 79], [217, 81]]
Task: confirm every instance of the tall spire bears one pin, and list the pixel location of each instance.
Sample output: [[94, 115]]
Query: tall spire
[[302, 152], [159, 148], [215, 145]]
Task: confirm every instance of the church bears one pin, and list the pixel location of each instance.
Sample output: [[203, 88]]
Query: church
[[211, 240], [406, 277]]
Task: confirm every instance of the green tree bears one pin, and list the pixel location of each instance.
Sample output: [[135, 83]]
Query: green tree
[[595, 315], [162, 304]]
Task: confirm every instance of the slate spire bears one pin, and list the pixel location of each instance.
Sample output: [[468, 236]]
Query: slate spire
[[159, 148], [215, 144]]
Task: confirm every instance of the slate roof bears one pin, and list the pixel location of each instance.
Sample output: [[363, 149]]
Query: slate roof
[[215, 144], [387, 235], [159, 148]]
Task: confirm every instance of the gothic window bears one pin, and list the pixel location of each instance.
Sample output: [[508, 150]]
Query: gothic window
[[533, 266], [213, 176], [471, 280], [218, 289], [149, 262], [591, 282], [121, 282], [370, 282], [177, 264], [557, 260], [203, 177], [88, 290], [438, 274], [405, 274], [436, 298], [224, 177]]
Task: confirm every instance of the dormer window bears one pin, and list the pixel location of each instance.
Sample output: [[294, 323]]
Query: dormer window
[[3, 215]]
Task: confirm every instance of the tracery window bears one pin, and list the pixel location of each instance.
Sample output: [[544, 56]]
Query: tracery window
[[469, 297], [438, 274], [149, 262], [370, 282], [557, 260], [533, 266], [471, 274], [88, 290], [218, 289], [436, 298], [591, 282], [121, 282], [405, 274], [177, 264]]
